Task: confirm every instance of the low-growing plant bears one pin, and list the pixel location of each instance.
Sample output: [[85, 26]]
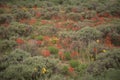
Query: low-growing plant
[[20, 29], [40, 37], [6, 18], [21, 14], [6, 45], [87, 34], [65, 70], [104, 62], [53, 50], [74, 63], [20, 65], [67, 55], [47, 30]]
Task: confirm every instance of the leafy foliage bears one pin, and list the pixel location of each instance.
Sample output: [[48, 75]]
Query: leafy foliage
[[104, 62], [53, 50], [87, 34], [20, 29]]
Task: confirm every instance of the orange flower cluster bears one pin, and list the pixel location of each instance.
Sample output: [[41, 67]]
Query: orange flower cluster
[[61, 55], [46, 53], [71, 69], [39, 42], [19, 41], [74, 54]]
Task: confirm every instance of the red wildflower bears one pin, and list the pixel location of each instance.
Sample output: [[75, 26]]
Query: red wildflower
[[44, 21], [93, 19], [95, 50], [39, 42], [101, 19], [81, 18], [38, 14], [35, 7], [19, 41], [32, 21], [61, 55], [59, 46], [46, 38], [73, 54], [71, 69], [108, 41], [106, 14], [46, 53]]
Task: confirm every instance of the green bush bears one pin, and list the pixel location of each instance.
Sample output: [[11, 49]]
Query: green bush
[[13, 58], [74, 16], [47, 30], [20, 14], [40, 37], [6, 45], [19, 65], [88, 14], [111, 74], [115, 34], [5, 33], [15, 29], [105, 29], [5, 18], [67, 55], [20, 29], [49, 15], [64, 70], [98, 46], [105, 62], [112, 30], [81, 68], [87, 34], [1, 11], [74, 63], [53, 50]]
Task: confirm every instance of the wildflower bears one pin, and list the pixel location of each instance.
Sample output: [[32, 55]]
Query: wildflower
[[38, 14], [46, 38], [92, 59], [32, 21], [43, 21], [46, 53], [59, 46], [39, 42], [61, 55], [97, 41], [71, 69], [24, 8], [95, 50], [54, 40], [43, 70], [19, 41], [35, 69], [73, 54], [104, 50]]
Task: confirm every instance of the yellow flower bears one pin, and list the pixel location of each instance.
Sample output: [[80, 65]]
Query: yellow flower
[[35, 69], [97, 41], [44, 70], [62, 11], [55, 38], [24, 8], [104, 50], [92, 59]]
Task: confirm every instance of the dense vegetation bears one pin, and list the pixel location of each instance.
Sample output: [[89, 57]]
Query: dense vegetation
[[59, 39]]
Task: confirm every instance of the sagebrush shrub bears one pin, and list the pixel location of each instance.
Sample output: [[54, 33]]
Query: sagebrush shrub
[[105, 62]]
